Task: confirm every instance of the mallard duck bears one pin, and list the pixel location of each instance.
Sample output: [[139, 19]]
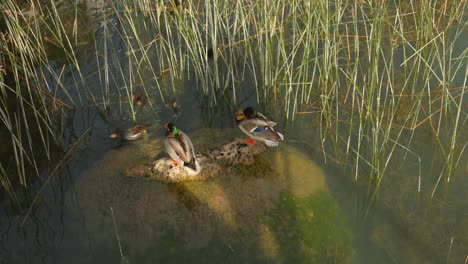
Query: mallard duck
[[131, 133], [180, 149], [139, 99], [258, 127], [172, 104]]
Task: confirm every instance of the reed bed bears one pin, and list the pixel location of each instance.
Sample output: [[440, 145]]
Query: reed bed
[[375, 73]]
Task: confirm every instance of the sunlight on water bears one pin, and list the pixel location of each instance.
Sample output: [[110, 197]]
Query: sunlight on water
[[303, 176], [224, 216]]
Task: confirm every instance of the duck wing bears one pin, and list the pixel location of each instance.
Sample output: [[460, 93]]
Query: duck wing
[[180, 147], [250, 125], [188, 148], [136, 129], [266, 120], [168, 143], [267, 132], [261, 128]]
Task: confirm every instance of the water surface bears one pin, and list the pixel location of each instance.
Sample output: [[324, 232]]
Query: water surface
[[299, 203]]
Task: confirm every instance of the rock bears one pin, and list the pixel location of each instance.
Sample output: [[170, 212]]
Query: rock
[[235, 152]]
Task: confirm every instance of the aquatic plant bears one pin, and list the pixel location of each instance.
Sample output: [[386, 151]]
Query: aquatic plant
[[374, 72]]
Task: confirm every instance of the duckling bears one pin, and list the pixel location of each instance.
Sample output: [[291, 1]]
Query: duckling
[[180, 149], [130, 134], [258, 127]]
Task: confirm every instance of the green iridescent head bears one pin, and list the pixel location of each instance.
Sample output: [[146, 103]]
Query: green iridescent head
[[172, 128], [250, 112]]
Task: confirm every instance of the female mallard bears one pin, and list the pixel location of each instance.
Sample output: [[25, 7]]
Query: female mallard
[[131, 133], [172, 104], [258, 127], [180, 148], [139, 98]]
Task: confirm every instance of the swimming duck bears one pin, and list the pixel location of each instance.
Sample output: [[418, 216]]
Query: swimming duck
[[172, 104], [258, 127], [180, 149], [131, 133], [139, 99]]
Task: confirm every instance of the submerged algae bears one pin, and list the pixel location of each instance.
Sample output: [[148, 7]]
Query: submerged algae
[[312, 229], [224, 217]]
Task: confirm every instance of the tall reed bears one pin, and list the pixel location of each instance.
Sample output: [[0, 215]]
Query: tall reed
[[376, 71]]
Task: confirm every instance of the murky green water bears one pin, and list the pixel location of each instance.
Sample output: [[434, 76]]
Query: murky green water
[[295, 204], [275, 210]]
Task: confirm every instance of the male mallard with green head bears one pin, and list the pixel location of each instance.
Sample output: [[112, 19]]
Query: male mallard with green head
[[131, 133], [180, 149], [258, 127]]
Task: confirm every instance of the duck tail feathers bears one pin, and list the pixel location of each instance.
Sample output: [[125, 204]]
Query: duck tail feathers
[[193, 167], [280, 135], [271, 143], [271, 123]]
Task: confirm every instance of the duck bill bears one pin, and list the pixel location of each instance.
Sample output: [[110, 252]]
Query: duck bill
[[240, 116]]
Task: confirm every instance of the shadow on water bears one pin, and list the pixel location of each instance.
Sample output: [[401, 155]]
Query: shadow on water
[[185, 196]]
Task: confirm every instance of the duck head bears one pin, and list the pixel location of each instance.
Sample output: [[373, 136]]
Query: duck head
[[139, 100], [173, 104], [172, 129], [115, 134], [250, 112], [240, 116]]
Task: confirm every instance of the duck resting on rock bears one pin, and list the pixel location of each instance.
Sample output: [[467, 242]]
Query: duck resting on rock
[[258, 127], [180, 149]]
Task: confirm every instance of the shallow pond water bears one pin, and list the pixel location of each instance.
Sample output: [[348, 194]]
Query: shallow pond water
[[289, 206], [275, 209], [298, 203]]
